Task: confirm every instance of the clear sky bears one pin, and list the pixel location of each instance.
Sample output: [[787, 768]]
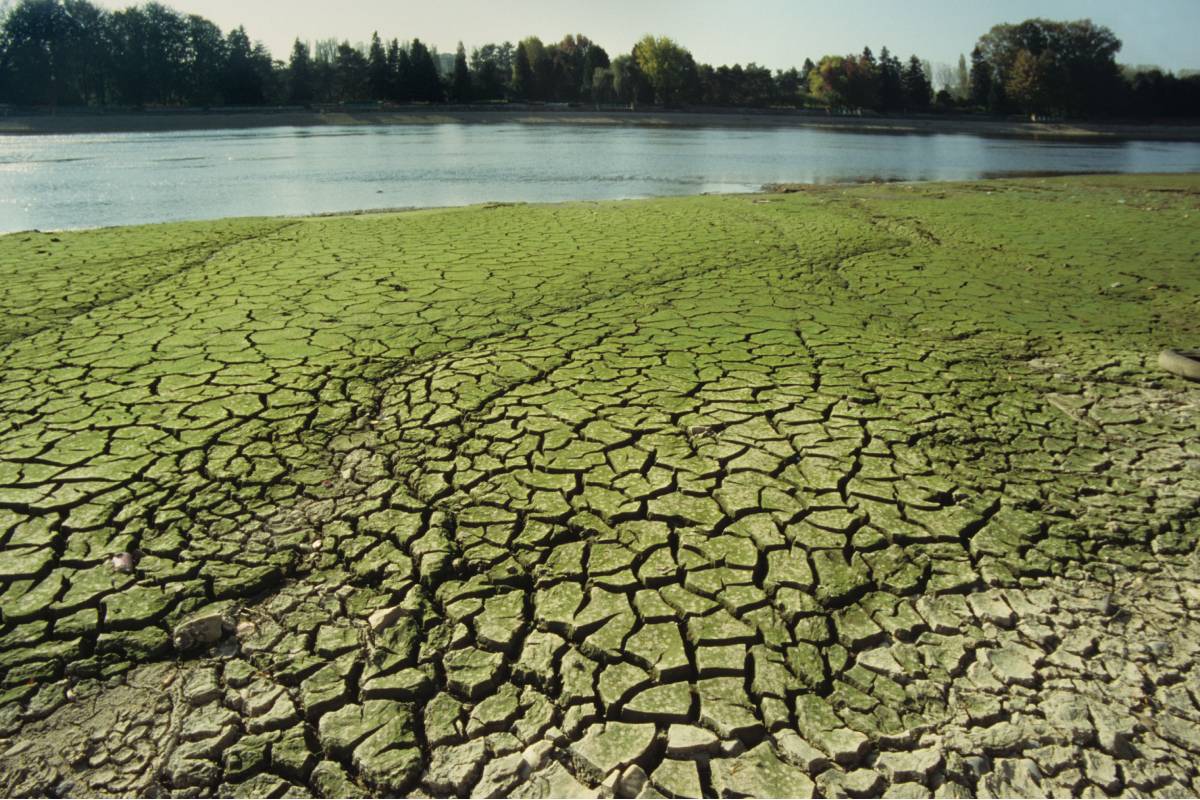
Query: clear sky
[[773, 33]]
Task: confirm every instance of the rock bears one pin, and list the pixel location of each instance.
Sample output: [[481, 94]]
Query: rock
[[631, 782], [759, 773], [610, 746], [678, 778], [331, 780], [912, 765], [689, 741], [669, 703], [1102, 771], [795, 750], [990, 607], [1014, 664], [202, 628], [1013, 777], [123, 563], [905, 791], [863, 783], [534, 757], [454, 770], [500, 775]]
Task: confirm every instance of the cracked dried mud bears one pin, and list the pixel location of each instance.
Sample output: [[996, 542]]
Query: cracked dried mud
[[854, 491]]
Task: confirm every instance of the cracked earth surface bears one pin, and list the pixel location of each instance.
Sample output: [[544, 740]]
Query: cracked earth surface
[[848, 492]]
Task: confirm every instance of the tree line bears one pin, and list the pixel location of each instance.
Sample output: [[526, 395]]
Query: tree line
[[58, 53]]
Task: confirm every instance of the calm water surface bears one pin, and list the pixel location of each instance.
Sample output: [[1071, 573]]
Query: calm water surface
[[51, 182]]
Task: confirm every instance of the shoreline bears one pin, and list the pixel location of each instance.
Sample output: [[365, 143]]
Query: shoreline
[[187, 120], [763, 190]]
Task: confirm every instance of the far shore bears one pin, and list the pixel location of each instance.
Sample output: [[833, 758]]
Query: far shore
[[185, 120]]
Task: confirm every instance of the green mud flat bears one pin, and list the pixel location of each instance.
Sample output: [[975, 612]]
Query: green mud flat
[[856, 490]]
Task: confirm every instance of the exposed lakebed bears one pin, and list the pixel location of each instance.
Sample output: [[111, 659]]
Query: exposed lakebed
[[857, 491], [90, 180]]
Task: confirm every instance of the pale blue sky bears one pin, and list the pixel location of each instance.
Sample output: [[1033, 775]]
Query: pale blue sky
[[775, 33]]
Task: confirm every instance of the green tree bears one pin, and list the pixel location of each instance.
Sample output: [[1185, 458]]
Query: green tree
[[34, 50], [593, 59], [663, 62], [962, 80], [300, 75], [165, 56], [1032, 82], [85, 60], [602, 86], [540, 80], [205, 61], [460, 84], [351, 78], [628, 81], [522, 74], [1080, 62], [241, 79], [850, 81], [788, 87], [490, 68]]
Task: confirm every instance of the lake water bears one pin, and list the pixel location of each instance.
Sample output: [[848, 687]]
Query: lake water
[[51, 182]]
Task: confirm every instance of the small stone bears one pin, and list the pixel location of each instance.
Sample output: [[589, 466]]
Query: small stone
[[123, 563], [202, 628]]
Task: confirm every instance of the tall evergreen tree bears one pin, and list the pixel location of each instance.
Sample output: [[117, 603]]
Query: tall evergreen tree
[[377, 69], [917, 90], [460, 84], [423, 72], [891, 87], [806, 70], [393, 68], [241, 82], [300, 75], [403, 77], [981, 79]]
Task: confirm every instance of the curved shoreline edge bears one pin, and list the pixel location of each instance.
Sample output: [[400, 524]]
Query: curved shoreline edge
[[134, 122]]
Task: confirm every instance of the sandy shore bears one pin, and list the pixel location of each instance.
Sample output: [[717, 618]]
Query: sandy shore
[[929, 124]]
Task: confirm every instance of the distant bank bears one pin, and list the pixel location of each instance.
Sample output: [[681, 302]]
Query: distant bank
[[68, 123]]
